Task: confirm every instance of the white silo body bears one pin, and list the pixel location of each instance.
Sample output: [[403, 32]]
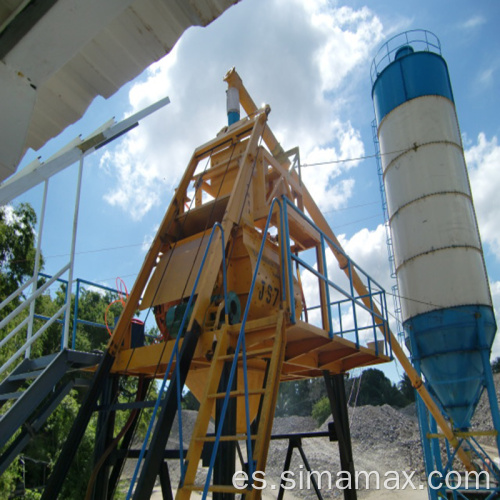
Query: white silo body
[[438, 253]]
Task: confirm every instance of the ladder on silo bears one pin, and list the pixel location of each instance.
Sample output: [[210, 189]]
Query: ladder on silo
[[388, 238]]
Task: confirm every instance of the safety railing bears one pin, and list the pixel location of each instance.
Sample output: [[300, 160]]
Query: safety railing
[[77, 320], [26, 322], [75, 152], [420, 40], [379, 320], [57, 318], [352, 313], [175, 356]]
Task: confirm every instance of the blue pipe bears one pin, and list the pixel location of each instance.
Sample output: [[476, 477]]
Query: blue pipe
[[289, 261], [373, 316], [339, 289], [327, 288], [330, 241]]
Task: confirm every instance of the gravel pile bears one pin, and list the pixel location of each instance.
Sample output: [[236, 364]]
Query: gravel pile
[[482, 417], [383, 439]]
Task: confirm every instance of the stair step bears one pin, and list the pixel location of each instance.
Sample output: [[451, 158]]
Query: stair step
[[25, 375], [43, 362], [11, 395], [250, 354], [232, 394], [216, 488], [236, 437], [83, 382]]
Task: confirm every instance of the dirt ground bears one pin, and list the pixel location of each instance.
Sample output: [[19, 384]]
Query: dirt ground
[[383, 439], [372, 495]]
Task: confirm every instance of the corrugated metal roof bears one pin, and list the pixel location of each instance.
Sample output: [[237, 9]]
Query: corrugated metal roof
[[77, 51]]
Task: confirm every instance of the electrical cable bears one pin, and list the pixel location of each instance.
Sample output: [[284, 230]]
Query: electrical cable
[[119, 283], [351, 420], [359, 158], [133, 245], [359, 220]]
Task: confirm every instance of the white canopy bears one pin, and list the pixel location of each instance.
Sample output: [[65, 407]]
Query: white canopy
[[58, 55]]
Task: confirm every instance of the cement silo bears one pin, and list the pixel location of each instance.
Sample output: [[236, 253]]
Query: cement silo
[[446, 303]]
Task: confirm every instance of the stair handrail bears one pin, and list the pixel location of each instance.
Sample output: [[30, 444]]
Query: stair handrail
[[19, 309], [13, 295], [175, 354]]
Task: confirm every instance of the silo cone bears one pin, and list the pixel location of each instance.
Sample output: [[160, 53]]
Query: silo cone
[[446, 302]]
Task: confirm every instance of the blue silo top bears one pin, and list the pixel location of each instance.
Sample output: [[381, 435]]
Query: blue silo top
[[401, 73]]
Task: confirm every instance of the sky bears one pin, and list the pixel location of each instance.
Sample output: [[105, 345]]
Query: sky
[[310, 61]]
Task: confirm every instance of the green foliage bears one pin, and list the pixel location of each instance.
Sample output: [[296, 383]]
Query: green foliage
[[308, 397], [32, 495], [495, 365], [376, 389], [321, 410], [299, 397], [406, 388], [17, 255], [17, 247], [92, 307], [10, 478], [189, 402]]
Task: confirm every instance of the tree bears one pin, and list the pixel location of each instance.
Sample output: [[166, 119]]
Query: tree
[[495, 366], [376, 389], [189, 402], [17, 248], [406, 388], [47, 443], [322, 410], [298, 397]]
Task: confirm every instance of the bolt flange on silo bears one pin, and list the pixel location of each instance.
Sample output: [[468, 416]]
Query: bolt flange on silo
[[446, 303]]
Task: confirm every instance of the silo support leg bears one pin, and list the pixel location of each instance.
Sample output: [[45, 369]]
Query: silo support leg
[[488, 379]]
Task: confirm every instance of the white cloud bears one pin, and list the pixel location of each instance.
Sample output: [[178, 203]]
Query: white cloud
[[474, 22], [367, 248], [319, 52], [486, 78], [483, 160], [148, 238]]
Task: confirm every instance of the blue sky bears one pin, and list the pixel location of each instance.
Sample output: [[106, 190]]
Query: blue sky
[[311, 62]]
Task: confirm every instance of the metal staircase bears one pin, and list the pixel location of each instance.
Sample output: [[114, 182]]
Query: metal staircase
[[36, 387]]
